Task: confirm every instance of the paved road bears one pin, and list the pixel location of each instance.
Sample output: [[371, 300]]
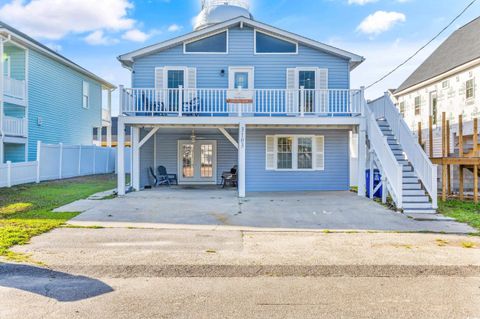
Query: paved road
[[155, 273]]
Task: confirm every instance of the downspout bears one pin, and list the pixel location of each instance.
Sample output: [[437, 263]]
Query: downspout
[[2, 86]]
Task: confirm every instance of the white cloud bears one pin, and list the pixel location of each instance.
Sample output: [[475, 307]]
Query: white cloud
[[174, 28], [361, 2], [54, 19], [380, 21], [99, 38], [136, 35]]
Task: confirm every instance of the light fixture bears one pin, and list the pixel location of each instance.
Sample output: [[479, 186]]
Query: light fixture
[[222, 72]]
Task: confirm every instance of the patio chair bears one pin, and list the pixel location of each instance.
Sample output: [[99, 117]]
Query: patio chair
[[230, 177], [155, 178], [192, 107], [165, 178], [155, 108]]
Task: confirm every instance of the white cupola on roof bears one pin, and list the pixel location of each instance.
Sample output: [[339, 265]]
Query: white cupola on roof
[[217, 11]]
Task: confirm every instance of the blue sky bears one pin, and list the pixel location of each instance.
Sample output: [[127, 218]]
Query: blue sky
[[94, 32]]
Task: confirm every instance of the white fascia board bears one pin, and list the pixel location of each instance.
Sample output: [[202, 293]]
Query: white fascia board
[[57, 57], [287, 121], [128, 58]]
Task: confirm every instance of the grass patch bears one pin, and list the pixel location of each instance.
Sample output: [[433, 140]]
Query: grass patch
[[26, 211], [463, 211]]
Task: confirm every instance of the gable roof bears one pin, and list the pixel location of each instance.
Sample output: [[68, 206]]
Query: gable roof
[[128, 58], [461, 47], [23, 38]]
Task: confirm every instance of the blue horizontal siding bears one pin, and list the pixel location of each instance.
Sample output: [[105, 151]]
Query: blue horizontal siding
[[334, 177], [17, 61], [167, 150], [14, 110], [270, 70], [14, 152], [55, 96]]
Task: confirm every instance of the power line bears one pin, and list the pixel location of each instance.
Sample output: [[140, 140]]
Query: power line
[[424, 46]]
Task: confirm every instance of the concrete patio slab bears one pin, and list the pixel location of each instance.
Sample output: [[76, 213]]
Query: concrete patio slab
[[212, 208]]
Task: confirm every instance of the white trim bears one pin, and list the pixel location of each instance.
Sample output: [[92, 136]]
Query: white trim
[[251, 76], [204, 37], [273, 36], [197, 181], [128, 58], [438, 78], [228, 136], [295, 138], [85, 86]]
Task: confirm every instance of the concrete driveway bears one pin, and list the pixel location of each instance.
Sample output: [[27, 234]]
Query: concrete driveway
[[213, 208]]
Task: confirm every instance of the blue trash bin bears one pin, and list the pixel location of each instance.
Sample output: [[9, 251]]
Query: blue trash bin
[[377, 179]]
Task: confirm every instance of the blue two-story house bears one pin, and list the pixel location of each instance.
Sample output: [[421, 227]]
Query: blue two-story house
[[45, 97], [236, 92]]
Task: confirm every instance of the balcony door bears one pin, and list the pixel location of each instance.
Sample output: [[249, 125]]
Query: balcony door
[[197, 162]]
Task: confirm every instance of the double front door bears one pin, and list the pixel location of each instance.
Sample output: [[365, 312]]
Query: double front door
[[197, 162]]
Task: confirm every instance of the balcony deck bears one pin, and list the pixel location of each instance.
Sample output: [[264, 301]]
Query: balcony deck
[[241, 102], [15, 127], [15, 91]]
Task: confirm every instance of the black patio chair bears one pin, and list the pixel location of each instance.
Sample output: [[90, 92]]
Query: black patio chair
[[155, 178], [165, 178], [230, 178], [192, 107], [150, 108]]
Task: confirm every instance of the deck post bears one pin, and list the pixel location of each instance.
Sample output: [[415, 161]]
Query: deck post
[[136, 158], [302, 101], [475, 183], [242, 139], [180, 101], [449, 167], [419, 129], [362, 154], [121, 157], [461, 181], [430, 136], [460, 135]]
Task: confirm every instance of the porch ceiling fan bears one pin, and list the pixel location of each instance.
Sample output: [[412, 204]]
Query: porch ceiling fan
[[194, 137]]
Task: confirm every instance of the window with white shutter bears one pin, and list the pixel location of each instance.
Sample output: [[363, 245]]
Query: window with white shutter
[[271, 162], [319, 153], [295, 152], [292, 94]]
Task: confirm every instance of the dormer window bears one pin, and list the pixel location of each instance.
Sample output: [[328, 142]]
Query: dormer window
[[212, 44], [269, 44]]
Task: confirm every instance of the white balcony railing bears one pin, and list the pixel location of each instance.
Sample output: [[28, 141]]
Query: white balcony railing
[[13, 126], [225, 102], [14, 88]]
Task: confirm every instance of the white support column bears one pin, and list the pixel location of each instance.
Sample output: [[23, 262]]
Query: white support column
[[242, 144], [362, 155], [99, 135], [372, 175], [109, 127], [121, 157], [109, 135], [136, 158]]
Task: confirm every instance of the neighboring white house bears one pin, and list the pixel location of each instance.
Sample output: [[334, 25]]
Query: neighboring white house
[[446, 82]]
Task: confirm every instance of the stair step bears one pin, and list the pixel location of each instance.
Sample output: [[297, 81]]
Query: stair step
[[417, 206], [413, 192], [419, 211], [409, 174], [416, 186], [410, 180], [415, 199], [395, 147], [407, 168]]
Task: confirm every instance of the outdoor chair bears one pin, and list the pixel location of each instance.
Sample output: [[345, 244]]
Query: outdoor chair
[[165, 178], [230, 178], [157, 179], [192, 107]]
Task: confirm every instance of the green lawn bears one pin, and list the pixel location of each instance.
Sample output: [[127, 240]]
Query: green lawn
[[26, 211], [463, 211]]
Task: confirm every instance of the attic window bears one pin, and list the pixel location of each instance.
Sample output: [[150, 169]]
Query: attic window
[[269, 44], [216, 43]]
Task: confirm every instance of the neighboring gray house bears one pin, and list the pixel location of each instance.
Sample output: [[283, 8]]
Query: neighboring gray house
[[238, 92]]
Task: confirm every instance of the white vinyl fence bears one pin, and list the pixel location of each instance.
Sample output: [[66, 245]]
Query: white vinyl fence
[[57, 161]]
